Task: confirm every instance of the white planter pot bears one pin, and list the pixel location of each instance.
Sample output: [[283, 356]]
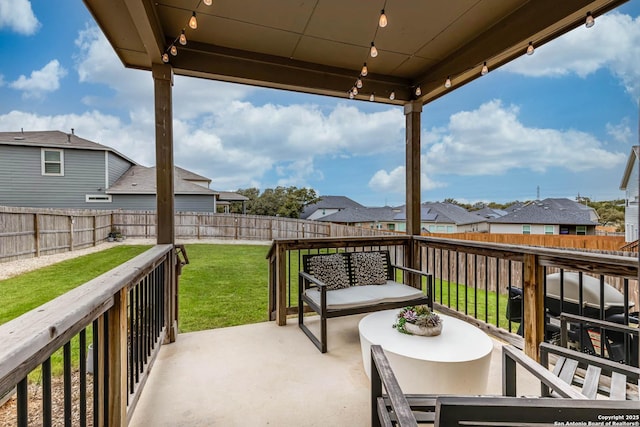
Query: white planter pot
[[428, 331]]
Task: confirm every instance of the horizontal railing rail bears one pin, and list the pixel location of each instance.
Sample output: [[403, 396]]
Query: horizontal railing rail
[[127, 312]]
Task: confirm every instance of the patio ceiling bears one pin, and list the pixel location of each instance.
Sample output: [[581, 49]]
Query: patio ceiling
[[319, 46]]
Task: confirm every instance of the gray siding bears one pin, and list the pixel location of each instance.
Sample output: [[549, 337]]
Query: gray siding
[[117, 167], [147, 202], [22, 182]]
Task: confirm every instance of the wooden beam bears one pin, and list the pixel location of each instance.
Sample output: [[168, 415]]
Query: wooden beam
[[412, 113], [533, 318], [117, 360], [143, 15], [163, 81]]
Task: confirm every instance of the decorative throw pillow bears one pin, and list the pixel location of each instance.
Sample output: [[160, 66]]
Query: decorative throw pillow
[[368, 268], [331, 270]]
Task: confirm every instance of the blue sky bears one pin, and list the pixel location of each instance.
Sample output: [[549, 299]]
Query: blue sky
[[563, 119]]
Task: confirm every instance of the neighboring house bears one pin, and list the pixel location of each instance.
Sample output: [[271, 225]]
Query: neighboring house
[[548, 216], [435, 218], [53, 169], [629, 185], [490, 212], [328, 205]]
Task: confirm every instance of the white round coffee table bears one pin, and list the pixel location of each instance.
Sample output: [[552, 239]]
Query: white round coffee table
[[454, 362]]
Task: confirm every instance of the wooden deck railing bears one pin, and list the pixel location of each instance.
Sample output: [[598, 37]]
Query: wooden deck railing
[[472, 279], [126, 313]]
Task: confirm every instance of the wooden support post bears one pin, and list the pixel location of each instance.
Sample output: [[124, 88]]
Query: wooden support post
[[118, 360], [71, 221], [36, 233], [163, 80], [412, 111], [281, 286], [99, 377], [533, 316], [95, 230]]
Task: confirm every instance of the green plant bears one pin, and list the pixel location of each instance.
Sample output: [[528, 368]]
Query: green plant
[[419, 315]]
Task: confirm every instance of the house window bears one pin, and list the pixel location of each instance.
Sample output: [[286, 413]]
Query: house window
[[52, 162], [548, 229], [581, 230], [97, 198], [449, 228], [391, 227], [526, 229], [564, 230]]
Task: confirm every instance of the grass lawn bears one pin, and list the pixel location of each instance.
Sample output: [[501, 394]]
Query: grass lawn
[[224, 285]]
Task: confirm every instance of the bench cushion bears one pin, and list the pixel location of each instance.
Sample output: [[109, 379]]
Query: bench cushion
[[330, 270], [369, 268], [358, 296]]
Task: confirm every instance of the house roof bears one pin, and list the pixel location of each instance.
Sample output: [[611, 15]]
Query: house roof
[[487, 212], [362, 214], [633, 156], [319, 46], [142, 180], [55, 139], [443, 213], [230, 196], [190, 176], [550, 211], [329, 202]]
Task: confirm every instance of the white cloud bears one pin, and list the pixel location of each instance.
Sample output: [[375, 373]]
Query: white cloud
[[621, 132], [18, 16], [491, 141], [47, 79], [613, 43], [394, 181]]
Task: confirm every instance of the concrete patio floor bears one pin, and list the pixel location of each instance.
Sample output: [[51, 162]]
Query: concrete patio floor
[[266, 375]]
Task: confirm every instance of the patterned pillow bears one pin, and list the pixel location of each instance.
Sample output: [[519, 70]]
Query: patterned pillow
[[331, 270], [368, 268]]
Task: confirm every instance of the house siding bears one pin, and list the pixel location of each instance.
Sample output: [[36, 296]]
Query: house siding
[[631, 206], [117, 167], [147, 202], [22, 182]]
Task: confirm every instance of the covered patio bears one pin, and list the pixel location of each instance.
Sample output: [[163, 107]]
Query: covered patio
[[270, 373]]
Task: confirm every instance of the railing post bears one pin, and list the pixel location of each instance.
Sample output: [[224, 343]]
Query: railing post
[[117, 360], [533, 317], [281, 286]]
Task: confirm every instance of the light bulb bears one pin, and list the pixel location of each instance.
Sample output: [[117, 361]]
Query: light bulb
[[359, 83], [183, 38], [193, 22], [372, 97], [173, 50], [589, 22], [207, 2], [418, 91], [351, 95], [383, 19], [374, 51], [530, 49], [165, 57], [484, 70], [364, 71], [447, 83], [392, 96], [354, 90]]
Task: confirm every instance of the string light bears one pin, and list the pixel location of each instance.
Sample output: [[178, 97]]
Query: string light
[[193, 22], [383, 19], [447, 83], [207, 2], [374, 51], [485, 69], [364, 70], [165, 57], [530, 49], [392, 96], [173, 50], [183, 38], [590, 21], [372, 97], [418, 91], [351, 95], [359, 83], [354, 90]]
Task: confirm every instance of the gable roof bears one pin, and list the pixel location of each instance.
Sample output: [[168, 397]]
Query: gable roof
[[329, 202], [55, 139], [363, 214], [443, 213], [142, 180], [550, 211], [633, 156], [487, 212], [190, 176]]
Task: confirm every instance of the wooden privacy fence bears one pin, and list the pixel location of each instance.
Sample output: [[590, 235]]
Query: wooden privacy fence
[[602, 243], [27, 232]]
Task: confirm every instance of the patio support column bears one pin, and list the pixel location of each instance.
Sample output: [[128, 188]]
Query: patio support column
[[162, 82], [412, 111], [533, 316]]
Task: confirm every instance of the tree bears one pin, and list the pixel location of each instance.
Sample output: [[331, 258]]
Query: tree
[[279, 201]]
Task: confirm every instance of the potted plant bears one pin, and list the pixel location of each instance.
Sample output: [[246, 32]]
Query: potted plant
[[115, 234], [418, 320]]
